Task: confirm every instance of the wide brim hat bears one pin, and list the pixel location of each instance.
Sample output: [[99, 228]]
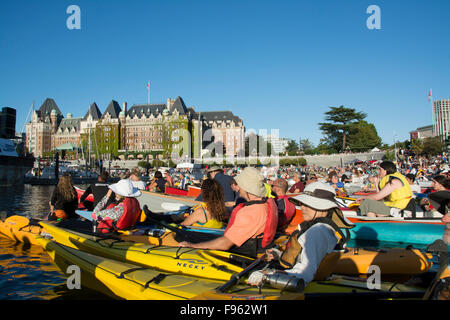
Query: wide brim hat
[[317, 195], [440, 200], [252, 181], [213, 168], [125, 188]]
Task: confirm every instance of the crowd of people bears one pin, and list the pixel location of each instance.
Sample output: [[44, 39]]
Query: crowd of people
[[253, 204]]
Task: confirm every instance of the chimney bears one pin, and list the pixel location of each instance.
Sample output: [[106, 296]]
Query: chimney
[[124, 109]]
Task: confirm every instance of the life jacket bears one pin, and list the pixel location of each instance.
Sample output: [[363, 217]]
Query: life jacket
[[293, 248], [253, 246], [128, 219], [400, 197], [286, 211], [269, 193]]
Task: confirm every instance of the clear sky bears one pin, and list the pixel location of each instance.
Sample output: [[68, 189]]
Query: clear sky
[[276, 64]]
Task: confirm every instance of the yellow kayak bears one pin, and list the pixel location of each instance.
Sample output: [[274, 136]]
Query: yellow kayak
[[126, 281], [216, 264]]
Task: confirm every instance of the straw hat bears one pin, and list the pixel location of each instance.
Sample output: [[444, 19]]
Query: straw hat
[[125, 188], [251, 181], [317, 195]]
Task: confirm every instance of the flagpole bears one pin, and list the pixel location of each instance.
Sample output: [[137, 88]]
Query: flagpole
[[148, 92]]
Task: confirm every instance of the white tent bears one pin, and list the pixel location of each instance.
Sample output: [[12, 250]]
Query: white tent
[[375, 149], [185, 165], [188, 165]]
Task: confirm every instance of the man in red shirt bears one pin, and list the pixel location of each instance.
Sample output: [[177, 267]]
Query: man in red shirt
[[298, 186]]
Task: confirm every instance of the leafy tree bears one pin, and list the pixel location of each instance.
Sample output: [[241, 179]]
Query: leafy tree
[[292, 148], [363, 136], [433, 145], [306, 146], [417, 146], [338, 125], [257, 143]]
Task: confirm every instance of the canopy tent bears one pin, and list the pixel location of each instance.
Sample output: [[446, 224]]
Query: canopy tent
[[66, 146], [187, 165]]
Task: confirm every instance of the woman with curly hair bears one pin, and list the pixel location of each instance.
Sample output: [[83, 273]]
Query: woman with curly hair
[[64, 200], [212, 212]]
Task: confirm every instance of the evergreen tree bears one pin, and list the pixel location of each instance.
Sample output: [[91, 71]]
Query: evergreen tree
[[338, 125]]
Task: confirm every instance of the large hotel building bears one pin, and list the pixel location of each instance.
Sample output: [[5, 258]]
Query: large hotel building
[[441, 118], [144, 128]]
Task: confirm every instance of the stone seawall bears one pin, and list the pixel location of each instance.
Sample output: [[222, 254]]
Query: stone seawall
[[319, 160], [13, 169]]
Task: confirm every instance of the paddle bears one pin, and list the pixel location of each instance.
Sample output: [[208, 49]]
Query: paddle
[[441, 248], [235, 278]]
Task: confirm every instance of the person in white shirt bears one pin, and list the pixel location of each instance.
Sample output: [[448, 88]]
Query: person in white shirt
[[317, 236], [135, 180]]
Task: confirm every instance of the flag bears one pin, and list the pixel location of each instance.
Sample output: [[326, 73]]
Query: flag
[[429, 95], [148, 86]]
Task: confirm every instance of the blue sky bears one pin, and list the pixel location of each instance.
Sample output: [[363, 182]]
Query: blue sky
[[276, 64]]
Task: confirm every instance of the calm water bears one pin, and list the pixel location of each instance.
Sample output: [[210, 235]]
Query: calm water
[[27, 272]]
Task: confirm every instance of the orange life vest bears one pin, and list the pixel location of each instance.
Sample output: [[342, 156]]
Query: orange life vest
[[271, 222]]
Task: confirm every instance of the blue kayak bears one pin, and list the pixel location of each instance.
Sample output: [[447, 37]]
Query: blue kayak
[[411, 233]]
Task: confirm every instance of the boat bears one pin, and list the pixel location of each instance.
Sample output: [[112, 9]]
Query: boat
[[80, 192], [12, 166], [160, 202], [128, 281], [217, 264]]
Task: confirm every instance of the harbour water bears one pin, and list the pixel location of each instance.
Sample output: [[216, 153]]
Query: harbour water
[[27, 272]]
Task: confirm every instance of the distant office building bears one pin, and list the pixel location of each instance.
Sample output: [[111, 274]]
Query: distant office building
[[278, 144], [441, 120], [8, 123], [422, 133]]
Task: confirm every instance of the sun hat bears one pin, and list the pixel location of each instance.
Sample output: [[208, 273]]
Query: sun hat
[[214, 168], [252, 181], [317, 195], [125, 188]]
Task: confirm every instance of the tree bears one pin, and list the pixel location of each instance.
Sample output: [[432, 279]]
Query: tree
[[433, 145], [338, 125], [292, 148], [306, 146], [257, 145], [417, 146], [363, 136]]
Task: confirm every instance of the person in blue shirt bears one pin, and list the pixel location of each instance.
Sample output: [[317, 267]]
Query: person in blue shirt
[[338, 186]]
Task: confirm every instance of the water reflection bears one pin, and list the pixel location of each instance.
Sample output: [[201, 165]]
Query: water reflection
[[26, 200], [27, 272]]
